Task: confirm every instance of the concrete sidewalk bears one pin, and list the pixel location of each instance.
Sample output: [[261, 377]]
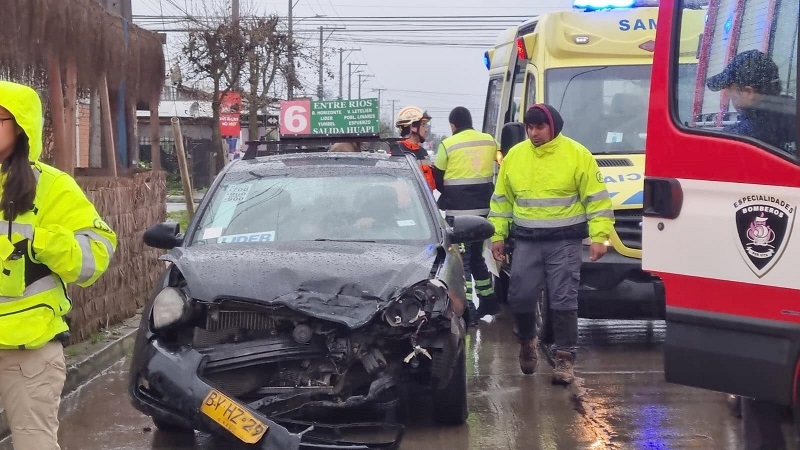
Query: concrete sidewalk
[[88, 359]]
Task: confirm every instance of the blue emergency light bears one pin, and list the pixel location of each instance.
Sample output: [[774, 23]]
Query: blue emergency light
[[603, 4], [486, 61]]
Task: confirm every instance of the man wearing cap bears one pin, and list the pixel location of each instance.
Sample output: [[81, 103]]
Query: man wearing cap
[[752, 82], [464, 172], [549, 196]]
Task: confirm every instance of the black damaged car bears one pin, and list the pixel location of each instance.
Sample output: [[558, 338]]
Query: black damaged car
[[309, 288]]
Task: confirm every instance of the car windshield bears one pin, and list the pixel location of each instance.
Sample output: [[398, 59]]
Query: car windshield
[[248, 208], [604, 108]]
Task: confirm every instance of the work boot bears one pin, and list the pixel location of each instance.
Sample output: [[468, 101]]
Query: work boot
[[527, 356], [564, 373], [488, 307]]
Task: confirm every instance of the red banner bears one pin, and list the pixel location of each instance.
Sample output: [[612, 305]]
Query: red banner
[[230, 109]]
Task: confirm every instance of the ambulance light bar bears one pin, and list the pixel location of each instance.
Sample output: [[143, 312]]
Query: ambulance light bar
[[486, 60], [611, 4]]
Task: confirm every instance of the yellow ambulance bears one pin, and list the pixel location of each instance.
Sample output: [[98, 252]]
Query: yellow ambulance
[[593, 64]]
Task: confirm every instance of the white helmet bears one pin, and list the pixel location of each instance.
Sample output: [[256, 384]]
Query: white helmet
[[409, 115]]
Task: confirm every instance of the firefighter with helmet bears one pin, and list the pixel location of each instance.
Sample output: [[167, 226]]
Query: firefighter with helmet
[[412, 123]]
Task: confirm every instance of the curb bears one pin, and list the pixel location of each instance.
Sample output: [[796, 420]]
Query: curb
[[83, 368]]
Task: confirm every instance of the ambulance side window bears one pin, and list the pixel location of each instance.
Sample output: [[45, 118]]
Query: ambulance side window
[[492, 111], [530, 91], [745, 82]]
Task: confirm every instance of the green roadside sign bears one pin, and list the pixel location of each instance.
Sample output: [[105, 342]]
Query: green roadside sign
[[334, 117]]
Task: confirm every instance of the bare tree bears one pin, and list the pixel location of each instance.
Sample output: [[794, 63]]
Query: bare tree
[[217, 54], [266, 60]]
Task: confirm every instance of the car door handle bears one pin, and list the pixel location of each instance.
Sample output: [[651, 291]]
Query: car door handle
[[663, 197]]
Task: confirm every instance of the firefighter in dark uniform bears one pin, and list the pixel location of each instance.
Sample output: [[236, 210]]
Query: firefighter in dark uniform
[[752, 82], [549, 196], [464, 172], [412, 123]]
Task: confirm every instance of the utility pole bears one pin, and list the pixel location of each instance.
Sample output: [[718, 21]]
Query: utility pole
[[319, 88], [360, 76], [341, 61], [235, 12], [290, 89], [380, 105], [350, 78], [392, 124]]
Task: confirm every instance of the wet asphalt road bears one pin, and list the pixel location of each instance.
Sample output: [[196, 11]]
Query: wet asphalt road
[[620, 401]]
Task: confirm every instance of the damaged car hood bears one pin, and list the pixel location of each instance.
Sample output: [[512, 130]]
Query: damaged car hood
[[344, 282]]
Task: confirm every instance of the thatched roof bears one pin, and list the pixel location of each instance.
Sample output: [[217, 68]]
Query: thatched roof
[[32, 30]]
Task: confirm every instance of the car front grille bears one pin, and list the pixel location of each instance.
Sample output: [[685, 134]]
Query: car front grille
[[248, 320], [629, 227]]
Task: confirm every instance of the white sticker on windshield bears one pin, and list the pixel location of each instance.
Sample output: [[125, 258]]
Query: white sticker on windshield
[[237, 192], [265, 236], [613, 137], [406, 223], [212, 233]]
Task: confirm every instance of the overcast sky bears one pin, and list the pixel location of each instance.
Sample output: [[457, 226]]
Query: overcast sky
[[445, 72]]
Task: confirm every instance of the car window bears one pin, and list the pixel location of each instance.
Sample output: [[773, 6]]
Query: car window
[[246, 208], [746, 80]]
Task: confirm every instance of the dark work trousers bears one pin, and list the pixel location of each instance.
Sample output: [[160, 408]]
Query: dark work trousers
[[762, 425], [557, 266], [475, 267]]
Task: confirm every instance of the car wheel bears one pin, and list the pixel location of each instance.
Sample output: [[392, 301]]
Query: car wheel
[[450, 403], [169, 427]]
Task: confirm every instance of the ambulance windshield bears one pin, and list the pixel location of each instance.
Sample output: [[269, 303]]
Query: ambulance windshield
[[604, 108]]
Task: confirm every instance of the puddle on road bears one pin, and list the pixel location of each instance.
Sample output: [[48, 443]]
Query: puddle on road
[[592, 415]]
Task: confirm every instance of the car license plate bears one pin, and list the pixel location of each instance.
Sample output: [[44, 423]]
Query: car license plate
[[233, 417]]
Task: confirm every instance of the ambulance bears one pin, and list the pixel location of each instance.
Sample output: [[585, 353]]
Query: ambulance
[[593, 64], [721, 195]]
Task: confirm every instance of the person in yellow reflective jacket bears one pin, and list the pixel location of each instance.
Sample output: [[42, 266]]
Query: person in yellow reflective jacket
[[50, 235], [464, 172], [549, 196]]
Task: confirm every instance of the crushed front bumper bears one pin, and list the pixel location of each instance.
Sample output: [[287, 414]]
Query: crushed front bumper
[[165, 385]]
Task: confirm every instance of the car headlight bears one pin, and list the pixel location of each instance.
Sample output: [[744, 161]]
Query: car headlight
[[410, 307], [169, 307]]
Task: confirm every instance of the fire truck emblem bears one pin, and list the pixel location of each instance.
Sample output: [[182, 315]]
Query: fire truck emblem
[[764, 225]]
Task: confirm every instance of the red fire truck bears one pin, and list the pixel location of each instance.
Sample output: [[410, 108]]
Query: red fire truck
[[721, 196]]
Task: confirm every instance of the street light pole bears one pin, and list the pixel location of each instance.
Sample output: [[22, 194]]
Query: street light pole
[[392, 124], [290, 88], [319, 89]]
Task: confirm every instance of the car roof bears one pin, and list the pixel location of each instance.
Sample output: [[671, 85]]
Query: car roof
[[365, 160]]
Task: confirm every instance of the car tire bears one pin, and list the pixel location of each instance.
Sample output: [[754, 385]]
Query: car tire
[[450, 403], [169, 427]]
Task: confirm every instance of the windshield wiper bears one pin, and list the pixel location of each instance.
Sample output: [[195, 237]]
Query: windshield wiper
[[342, 240]]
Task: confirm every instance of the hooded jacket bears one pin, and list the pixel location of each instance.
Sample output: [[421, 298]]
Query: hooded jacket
[[553, 191], [61, 240]]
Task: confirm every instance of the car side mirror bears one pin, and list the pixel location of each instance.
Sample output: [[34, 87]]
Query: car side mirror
[[164, 235], [468, 229], [512, 134]]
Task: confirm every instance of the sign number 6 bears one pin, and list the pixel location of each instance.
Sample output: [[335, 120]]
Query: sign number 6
[[295, 117]]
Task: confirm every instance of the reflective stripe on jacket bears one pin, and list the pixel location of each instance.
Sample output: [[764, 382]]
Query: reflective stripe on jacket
[[551, 192], [467, 160], [61, 240]]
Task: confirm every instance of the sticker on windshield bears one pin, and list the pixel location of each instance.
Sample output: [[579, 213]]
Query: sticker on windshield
[[406, 223], [264, 236], [613, 137], [237, 192], [212, 233]]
